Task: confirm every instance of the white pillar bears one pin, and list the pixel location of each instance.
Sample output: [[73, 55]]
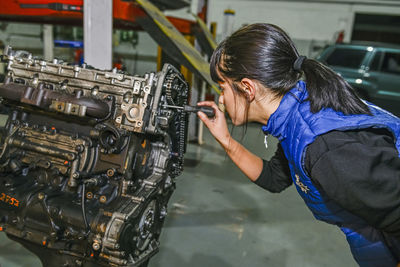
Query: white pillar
[[229, 20], [97, 33], [48, 42]]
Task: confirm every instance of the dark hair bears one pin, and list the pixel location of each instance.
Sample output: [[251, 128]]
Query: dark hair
[[265, 53]]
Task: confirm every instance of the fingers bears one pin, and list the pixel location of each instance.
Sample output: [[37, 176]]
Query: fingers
[[219, 107], [203, 117], [207, 103], [218, 111]]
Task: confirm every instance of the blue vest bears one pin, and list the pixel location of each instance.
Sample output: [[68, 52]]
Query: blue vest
[[296, 127]]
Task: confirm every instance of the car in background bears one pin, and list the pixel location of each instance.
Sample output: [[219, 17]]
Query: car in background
[[372, 69]]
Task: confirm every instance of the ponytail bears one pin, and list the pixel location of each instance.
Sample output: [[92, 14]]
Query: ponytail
[[326, 89]]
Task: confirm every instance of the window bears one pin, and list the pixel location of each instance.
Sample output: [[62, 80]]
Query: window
[[346, 57], [391, 63], [376, 62]]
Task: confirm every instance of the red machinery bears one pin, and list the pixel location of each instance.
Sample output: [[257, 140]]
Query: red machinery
[[125, 13]]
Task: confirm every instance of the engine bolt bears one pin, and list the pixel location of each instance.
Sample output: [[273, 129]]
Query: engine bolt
[[110, 172], [96, 246], [103, 199], [95, 91], [41, 196], [79, 148], [89, 195], [127, 96], [47, 164]]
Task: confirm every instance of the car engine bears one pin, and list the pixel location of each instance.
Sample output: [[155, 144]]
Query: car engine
[[88, 159]]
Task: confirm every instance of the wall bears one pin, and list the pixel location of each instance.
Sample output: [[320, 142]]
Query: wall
[[139, 59], [22, 35], [307, 22]]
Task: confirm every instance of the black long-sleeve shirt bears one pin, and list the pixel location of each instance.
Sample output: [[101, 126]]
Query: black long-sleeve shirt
[[359, 170]]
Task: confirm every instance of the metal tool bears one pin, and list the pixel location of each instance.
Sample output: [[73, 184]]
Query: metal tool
[[209, 111]]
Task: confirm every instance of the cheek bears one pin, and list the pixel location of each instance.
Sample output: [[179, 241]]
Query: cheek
[[230, 103], [236, 110]]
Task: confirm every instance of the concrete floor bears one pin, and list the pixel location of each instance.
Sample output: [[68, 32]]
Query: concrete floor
[[218, 218]]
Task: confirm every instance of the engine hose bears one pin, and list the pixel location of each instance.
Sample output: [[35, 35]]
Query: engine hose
[[83, 207]]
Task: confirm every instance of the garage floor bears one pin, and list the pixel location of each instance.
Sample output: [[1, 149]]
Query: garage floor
[[218, 218]]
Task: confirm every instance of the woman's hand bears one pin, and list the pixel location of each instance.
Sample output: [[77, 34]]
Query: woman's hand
[[250, 164], [217, 125]]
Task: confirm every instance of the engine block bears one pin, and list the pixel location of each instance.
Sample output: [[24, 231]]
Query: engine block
[[88, 159]]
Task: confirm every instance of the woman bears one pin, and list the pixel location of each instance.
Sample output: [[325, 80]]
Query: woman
[[341, 153]]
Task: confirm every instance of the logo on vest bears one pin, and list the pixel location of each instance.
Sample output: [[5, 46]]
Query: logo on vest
[[303, 187]]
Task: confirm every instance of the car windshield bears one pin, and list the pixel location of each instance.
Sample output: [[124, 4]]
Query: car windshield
[[346, 57], [391, 63]]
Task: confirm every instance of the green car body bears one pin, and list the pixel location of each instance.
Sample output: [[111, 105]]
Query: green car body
[[373, 70]]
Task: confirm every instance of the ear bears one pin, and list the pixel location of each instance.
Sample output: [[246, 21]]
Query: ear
[[249, 88]]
